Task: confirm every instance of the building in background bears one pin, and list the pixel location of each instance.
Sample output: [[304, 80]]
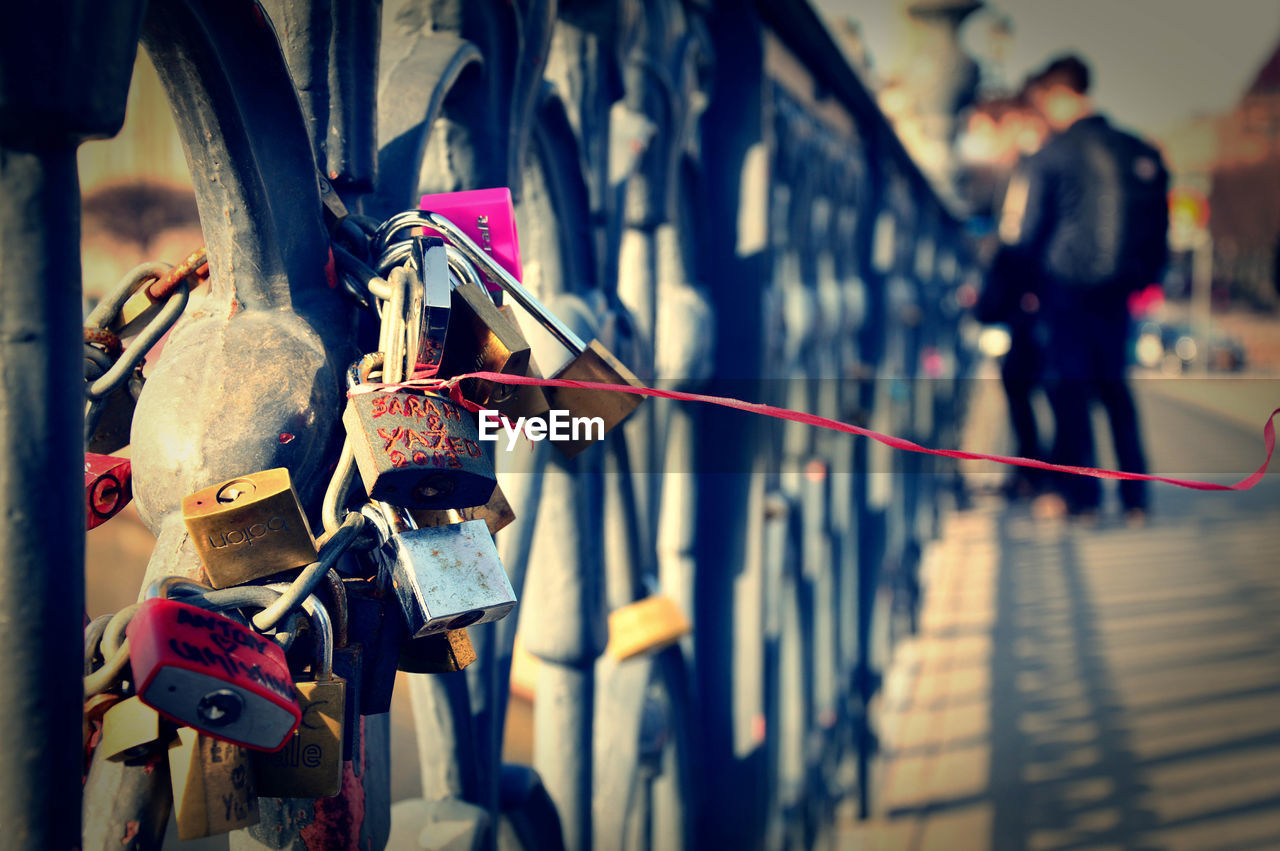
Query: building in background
[[1244, 193]]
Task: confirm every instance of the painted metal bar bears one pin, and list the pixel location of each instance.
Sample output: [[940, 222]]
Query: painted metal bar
[[41, 510]]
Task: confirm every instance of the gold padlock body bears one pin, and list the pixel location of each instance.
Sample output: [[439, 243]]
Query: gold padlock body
[[131, 729], [497, 514], [441, 653], [213, 788], [484, 338], [310, 763], [524, 400], [644, 626], [249, 527], [596, 364]]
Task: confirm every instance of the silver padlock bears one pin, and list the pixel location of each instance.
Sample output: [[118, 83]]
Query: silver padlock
[[445, 577], [427, 311]]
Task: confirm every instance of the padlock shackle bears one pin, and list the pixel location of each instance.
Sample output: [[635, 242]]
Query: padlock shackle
[[382, 242], [465, 272], [478, 257], [392, 334], [321, 631]]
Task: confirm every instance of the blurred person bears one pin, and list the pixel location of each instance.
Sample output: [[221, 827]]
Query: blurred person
[[1010, 296], [1088, 213]]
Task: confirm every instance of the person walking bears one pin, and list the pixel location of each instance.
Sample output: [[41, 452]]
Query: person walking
[[1010, 296], [1089, 213]]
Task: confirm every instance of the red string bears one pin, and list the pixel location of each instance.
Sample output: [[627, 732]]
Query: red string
[[455, 393]]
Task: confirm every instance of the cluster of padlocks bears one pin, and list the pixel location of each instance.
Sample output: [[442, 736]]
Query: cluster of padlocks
[[253, 682]]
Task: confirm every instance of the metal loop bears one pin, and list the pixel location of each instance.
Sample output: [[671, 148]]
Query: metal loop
[[462, 268], [369, 280], [339, 485], [137, 350], [341, 614], [396, 254], [112, 669], [113, 635], [305, 583], [286, 635], [382, 237], [105, 312], [92, 639], [321, 630]]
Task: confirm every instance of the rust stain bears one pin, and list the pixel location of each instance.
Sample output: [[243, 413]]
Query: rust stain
[[131, 829]]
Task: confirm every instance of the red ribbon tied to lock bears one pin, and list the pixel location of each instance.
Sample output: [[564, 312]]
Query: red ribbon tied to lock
[[452, 386]]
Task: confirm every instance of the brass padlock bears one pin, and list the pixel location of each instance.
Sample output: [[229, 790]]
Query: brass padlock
[[644, 626], [415, 448], [213, 788], [496, 513], [591, 361], [485, 338], [442, 653], [310, 763], [131, 730], [249, 527]]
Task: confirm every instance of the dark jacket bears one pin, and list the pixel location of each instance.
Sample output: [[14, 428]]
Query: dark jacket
[[1071, 215]]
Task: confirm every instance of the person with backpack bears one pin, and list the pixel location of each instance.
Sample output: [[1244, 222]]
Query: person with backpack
[[1088, 213]]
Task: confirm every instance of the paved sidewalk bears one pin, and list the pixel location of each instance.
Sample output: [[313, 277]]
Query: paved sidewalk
[[1095, 687]]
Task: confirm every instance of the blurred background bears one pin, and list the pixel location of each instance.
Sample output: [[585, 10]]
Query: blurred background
[[1202, 81]]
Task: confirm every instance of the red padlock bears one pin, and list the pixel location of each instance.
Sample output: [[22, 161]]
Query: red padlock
[[108, 487], [206, 671]]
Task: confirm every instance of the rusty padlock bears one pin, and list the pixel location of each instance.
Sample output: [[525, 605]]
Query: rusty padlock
[[415, 448]]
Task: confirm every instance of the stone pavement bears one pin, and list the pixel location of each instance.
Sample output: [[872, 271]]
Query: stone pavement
[[1095, 687]]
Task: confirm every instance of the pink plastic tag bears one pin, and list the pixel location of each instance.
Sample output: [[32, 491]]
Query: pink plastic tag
[[489, 218]]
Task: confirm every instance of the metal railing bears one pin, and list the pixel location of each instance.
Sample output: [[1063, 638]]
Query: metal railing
[[708, 188]]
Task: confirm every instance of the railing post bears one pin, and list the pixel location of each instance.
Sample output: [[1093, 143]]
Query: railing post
[[64, 76]]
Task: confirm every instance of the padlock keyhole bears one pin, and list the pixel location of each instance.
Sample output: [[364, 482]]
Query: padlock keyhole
[[236, 490], [465, 620], [220, 708], [435, 487]]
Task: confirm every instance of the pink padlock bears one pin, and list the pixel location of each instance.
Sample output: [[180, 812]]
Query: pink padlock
[[489, 218]]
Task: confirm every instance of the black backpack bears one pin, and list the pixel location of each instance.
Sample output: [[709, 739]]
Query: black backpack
[[1113, 213]]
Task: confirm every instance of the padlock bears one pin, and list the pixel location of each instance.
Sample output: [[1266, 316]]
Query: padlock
[[415, 448], [488, 217], [108, 487], [213, 788], [497, 514], [249, 527], [348, 656], [110, 431], [591, 361], [131, 730], [205, 670], [484, 338], [445, 577], [644, 626], [428, 308], [310, 763], [439, 653]]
